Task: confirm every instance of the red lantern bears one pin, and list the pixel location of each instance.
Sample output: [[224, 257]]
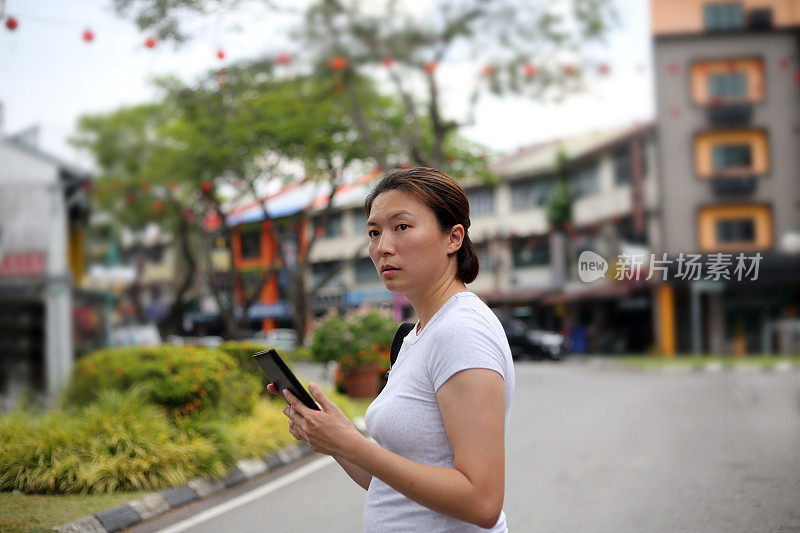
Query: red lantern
[[88, 36], [387, 62], [673, 67], [338, 63], [150, 42], [205, 187], [284, 59], [488, 70], [430, 67], [605, 69], [11, 23], [530, 70], [220, 54]]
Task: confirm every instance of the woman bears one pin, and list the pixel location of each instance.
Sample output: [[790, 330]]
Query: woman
[[441, 420]]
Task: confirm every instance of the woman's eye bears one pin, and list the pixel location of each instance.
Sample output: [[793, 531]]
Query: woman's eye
[[372, 233], [402, 226]]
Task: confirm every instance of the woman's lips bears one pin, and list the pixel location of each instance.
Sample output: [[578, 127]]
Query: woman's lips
[[389, 272]]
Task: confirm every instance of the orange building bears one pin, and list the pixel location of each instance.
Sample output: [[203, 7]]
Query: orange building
[[727, 79]]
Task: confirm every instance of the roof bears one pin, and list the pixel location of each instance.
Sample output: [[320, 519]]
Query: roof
[[69, 169], [540, 158], [297, 197]]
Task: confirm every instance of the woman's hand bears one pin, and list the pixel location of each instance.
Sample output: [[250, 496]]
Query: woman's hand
[[327, 431]]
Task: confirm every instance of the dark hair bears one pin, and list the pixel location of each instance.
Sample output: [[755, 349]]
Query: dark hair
[[445, 197]]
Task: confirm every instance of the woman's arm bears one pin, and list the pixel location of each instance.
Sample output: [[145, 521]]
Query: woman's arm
[[472, 403], [356, 473]]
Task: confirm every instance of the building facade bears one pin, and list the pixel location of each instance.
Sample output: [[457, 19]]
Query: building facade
[[44, 206], [527, 270], [728, 121]]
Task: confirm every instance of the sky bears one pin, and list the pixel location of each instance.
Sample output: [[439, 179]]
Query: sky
[[50, 76]]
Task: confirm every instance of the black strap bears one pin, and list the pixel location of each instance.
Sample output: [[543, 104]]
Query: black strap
[[402, 331]]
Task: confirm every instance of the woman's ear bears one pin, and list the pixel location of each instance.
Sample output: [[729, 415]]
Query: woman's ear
[[456, 238]]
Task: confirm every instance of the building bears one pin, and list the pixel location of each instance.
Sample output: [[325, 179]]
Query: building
[[44, 206], [728, 127], [527, 270]]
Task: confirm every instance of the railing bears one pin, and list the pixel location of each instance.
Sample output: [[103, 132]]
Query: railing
[[722, 113], [728, 186]]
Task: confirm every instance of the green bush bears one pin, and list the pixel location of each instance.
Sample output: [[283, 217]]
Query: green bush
[[360, 338], [119, 442], [242, 352], [184, 380]]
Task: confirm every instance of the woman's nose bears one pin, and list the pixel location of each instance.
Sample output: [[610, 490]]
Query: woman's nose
[[384, 244]]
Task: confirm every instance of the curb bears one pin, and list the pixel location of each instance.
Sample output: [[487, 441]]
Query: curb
[[137, 511], [712, 367]]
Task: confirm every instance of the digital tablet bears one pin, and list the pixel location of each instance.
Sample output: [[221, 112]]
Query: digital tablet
[[282, 377]]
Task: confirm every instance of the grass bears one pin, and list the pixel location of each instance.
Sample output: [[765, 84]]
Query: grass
[[698, 361], [28, 513]]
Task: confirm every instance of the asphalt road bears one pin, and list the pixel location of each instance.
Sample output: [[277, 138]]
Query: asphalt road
[[589, 449]]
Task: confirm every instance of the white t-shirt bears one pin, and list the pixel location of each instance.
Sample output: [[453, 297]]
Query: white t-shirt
[[405, 417]]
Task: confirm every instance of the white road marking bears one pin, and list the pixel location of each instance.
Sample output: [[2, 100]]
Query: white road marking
[[248, 497]]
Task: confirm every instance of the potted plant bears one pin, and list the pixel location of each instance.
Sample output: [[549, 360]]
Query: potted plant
[[360, 344]]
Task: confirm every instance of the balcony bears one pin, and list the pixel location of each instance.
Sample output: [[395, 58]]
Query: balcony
[[721, 113], [734, 186]]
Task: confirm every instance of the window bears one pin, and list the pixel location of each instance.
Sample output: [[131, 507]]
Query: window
[[320, 271], [728, 85], [721, 16], [359, 221], [585, 181], [734, 227], [251, 242], [622, 166], [728, 156], [530, 252], [332, 227], [366, 272], [735, 230], [481, 201], [530, 194]]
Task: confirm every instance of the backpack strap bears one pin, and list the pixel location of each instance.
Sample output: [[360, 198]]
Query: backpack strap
[[402, 331]]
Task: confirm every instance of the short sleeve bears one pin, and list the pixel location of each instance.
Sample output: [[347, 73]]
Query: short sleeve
[[467, 342]]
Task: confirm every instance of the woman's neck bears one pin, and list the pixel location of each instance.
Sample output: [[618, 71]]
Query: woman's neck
[[428, 303]]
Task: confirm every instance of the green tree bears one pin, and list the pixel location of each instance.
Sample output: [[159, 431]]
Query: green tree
[[520, 47]]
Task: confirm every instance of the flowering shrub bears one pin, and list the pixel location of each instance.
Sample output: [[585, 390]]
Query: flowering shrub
[[183, 379], [359, 339]]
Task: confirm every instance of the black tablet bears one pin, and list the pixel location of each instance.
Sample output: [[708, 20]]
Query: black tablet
[[282, 377]]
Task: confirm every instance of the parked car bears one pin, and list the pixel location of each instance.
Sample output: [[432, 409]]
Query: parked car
[[283, 340], [135, 335], [533, 343]]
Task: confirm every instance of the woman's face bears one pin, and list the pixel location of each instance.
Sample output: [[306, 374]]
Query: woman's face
[[406, 245]]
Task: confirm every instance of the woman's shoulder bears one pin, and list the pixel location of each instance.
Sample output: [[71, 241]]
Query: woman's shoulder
[[469, 318]]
